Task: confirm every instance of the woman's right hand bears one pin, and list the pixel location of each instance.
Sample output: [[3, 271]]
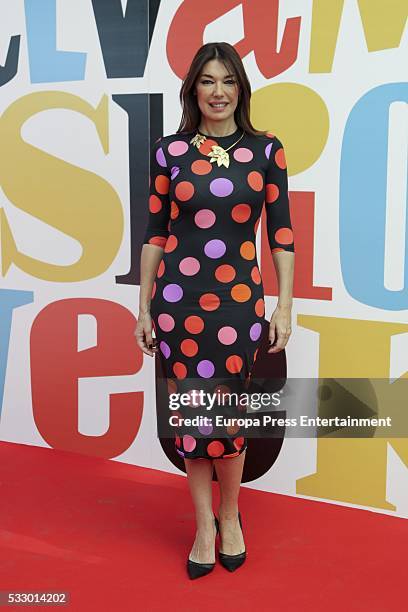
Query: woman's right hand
[[143, 333]]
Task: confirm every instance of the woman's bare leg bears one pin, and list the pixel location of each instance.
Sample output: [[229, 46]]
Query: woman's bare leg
[[199, 476], [229, 474]]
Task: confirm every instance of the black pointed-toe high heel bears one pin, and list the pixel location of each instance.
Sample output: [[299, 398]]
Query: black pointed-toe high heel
[[233, 562], [197, 570]]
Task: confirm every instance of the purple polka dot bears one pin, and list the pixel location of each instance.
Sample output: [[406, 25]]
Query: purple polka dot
[[165, 349], [174, 172], [268, 150], [215, 248], [160, 158], [172, 293], [205, 429], [180, 452], [221, 187], [255, 331], [205, 368]]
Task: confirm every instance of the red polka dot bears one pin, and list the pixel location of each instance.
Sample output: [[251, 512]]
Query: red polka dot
[[205, 148], [277, 249], [270, 134], [225, 273], [158, 241], [174, 210], [155, 204], [256, 225], [209, 301], [234, 364], [272, 193], [255, 180], [215, 448], [231, 455], [284, 235], [184, 191], [241, 213], [179, 369], [171, 243], [161, 268], [189, 347], [280, 158], [162, 184], [239, 442], [154, 289], [178, 441], [194, 324], [201, 166]]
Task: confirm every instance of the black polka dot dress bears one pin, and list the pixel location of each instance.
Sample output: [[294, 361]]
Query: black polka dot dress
[[207, 302]]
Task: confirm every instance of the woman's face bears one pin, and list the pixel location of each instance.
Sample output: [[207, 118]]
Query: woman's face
[[216, 84]]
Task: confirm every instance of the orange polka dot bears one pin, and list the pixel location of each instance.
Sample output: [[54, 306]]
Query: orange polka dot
[[205, 148], [162, 184], [194, 324], [225, 273], [240, 292], [171, 243], [201, 166], [272, 193], [256, 225], [260, 307], [179, 369], [209, 301], [277, 249], [155, 204], [215, 448], [255, 180], [247, 250], [256, 275], [280, 158], [255, 354], [232, 429], [270, 134], [161, 268], [154, 289], [189, 347], [184, 190], [241, 213], [174, 210], [178, 441], [171, 385], [158, 241], [234, 364], [231, 455], [284, 235], [239, 442]]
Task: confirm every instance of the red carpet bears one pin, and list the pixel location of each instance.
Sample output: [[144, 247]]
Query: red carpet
[[116, 537]]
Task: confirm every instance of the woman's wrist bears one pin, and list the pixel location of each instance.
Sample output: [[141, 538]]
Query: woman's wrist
[[143, 309]]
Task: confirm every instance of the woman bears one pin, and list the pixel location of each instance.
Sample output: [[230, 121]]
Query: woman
[[201, 289]]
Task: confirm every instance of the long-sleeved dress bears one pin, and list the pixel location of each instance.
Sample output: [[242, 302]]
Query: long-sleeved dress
[[207, 302]]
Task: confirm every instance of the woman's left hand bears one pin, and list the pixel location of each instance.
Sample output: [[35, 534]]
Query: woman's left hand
[[280, 328]]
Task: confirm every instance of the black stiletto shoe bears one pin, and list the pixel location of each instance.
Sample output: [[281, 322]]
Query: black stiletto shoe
[[197, 570], [233, 562]]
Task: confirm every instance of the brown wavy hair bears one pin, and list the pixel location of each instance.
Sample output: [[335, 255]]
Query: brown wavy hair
[[227, 54]]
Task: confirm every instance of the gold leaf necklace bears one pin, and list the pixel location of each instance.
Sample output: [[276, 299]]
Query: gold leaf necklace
[[217, 153]]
